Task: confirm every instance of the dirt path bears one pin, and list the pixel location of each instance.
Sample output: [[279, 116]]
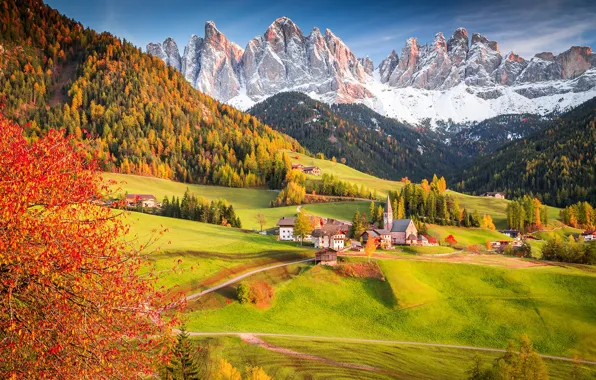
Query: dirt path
[[459, 258], [253, 339], [378, 341], [243, 276]]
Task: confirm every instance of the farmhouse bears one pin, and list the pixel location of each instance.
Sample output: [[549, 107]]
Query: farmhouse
[[514, 234], [403, 231], [494, 195], [382, 237], [328, 256], [298, 167], [286, 228], [145, 200], [589, 235], [329, 236], [314, 170]]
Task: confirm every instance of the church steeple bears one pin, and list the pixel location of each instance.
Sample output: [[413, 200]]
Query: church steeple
[[388, 215]]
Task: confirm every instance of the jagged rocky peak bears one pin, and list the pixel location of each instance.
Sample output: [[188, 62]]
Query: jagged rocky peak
[[482, 61], [191, 59], [276, 60], [155, 49], [546, 56], [219, 73], [575, 61], [433, 66], [402, 75], [387, 66], [458, 46], [168, 52], [367, 64], [172, 53], [511, 67]]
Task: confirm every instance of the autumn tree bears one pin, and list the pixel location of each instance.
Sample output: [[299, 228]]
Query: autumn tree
[[261, 220], [487, 222], [302, 225], [226, 371], [450, 240], [72, 302], [370, 247]]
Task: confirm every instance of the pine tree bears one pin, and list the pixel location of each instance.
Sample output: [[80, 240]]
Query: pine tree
[[183, 365]]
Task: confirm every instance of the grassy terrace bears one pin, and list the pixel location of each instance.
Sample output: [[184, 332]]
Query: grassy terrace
[[428, 302]]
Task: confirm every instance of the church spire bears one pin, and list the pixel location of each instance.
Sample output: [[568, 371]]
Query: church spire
[[388, 216]]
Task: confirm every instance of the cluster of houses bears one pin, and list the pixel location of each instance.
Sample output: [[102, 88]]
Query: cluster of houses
[[330, 235], [314, 170], [492, 194]]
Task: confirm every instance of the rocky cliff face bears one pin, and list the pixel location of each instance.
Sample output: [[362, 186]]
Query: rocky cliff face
[[284, 59], [168, 52]]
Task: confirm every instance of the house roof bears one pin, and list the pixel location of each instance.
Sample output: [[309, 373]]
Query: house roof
[[326, 251], [491, 193], [286, 221], [589, 232], [382, 231], [400, 225], [311, 167], [140, 196]]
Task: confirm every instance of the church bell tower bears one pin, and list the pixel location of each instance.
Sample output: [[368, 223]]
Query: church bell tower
[[388, 215]]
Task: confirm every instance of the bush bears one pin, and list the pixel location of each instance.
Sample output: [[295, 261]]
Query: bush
[[257, 293]]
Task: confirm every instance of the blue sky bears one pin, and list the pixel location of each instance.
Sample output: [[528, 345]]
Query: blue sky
[[368, 27]]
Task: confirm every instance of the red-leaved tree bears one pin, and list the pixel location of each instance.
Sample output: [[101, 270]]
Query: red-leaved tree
[[72, 302]]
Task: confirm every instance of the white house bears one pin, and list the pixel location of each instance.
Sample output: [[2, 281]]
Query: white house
[[589, 235], [286, 228], [146, 200]]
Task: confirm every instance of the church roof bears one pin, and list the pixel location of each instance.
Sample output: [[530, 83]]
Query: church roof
[[400, 225], [388, 206]]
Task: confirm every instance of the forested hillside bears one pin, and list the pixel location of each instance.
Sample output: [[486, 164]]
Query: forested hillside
[[557, 165], [142, 117], [474, 139], [366, 140]]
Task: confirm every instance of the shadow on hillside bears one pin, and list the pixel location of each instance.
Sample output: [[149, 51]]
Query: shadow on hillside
[[381, 291]]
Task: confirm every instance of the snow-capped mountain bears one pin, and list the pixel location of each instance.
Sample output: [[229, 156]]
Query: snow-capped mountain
[[459, 78]]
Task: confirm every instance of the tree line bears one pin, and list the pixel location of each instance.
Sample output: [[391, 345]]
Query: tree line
[[428, 203], [526, 213], [579, 215], [192, 207]]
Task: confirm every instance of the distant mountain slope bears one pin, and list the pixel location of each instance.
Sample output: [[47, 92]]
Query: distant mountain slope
[[474, 139], [557, 164], [143, 116], [366, 140]]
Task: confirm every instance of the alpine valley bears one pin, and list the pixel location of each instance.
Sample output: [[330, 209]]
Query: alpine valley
[[459, 79]]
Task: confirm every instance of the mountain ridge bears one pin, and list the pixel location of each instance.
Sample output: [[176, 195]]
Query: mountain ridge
[[457, 78]]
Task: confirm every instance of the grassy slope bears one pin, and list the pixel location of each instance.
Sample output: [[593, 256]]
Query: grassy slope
[[409, 361], [466, 236], [431, 302], [206, 249]]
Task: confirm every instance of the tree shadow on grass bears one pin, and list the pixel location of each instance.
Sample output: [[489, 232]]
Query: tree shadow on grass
[[381, 291]]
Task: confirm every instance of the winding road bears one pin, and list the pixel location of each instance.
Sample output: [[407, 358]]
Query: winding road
[[243, 276]]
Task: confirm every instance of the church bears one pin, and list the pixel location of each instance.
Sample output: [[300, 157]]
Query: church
[[402, 231], [398, 231]]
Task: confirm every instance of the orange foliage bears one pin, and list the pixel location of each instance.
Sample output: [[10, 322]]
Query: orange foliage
[[72, 304], [450, 240]]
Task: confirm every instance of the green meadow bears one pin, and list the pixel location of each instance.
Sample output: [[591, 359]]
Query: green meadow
[[404, 361], [189, 252], [428, 302]]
